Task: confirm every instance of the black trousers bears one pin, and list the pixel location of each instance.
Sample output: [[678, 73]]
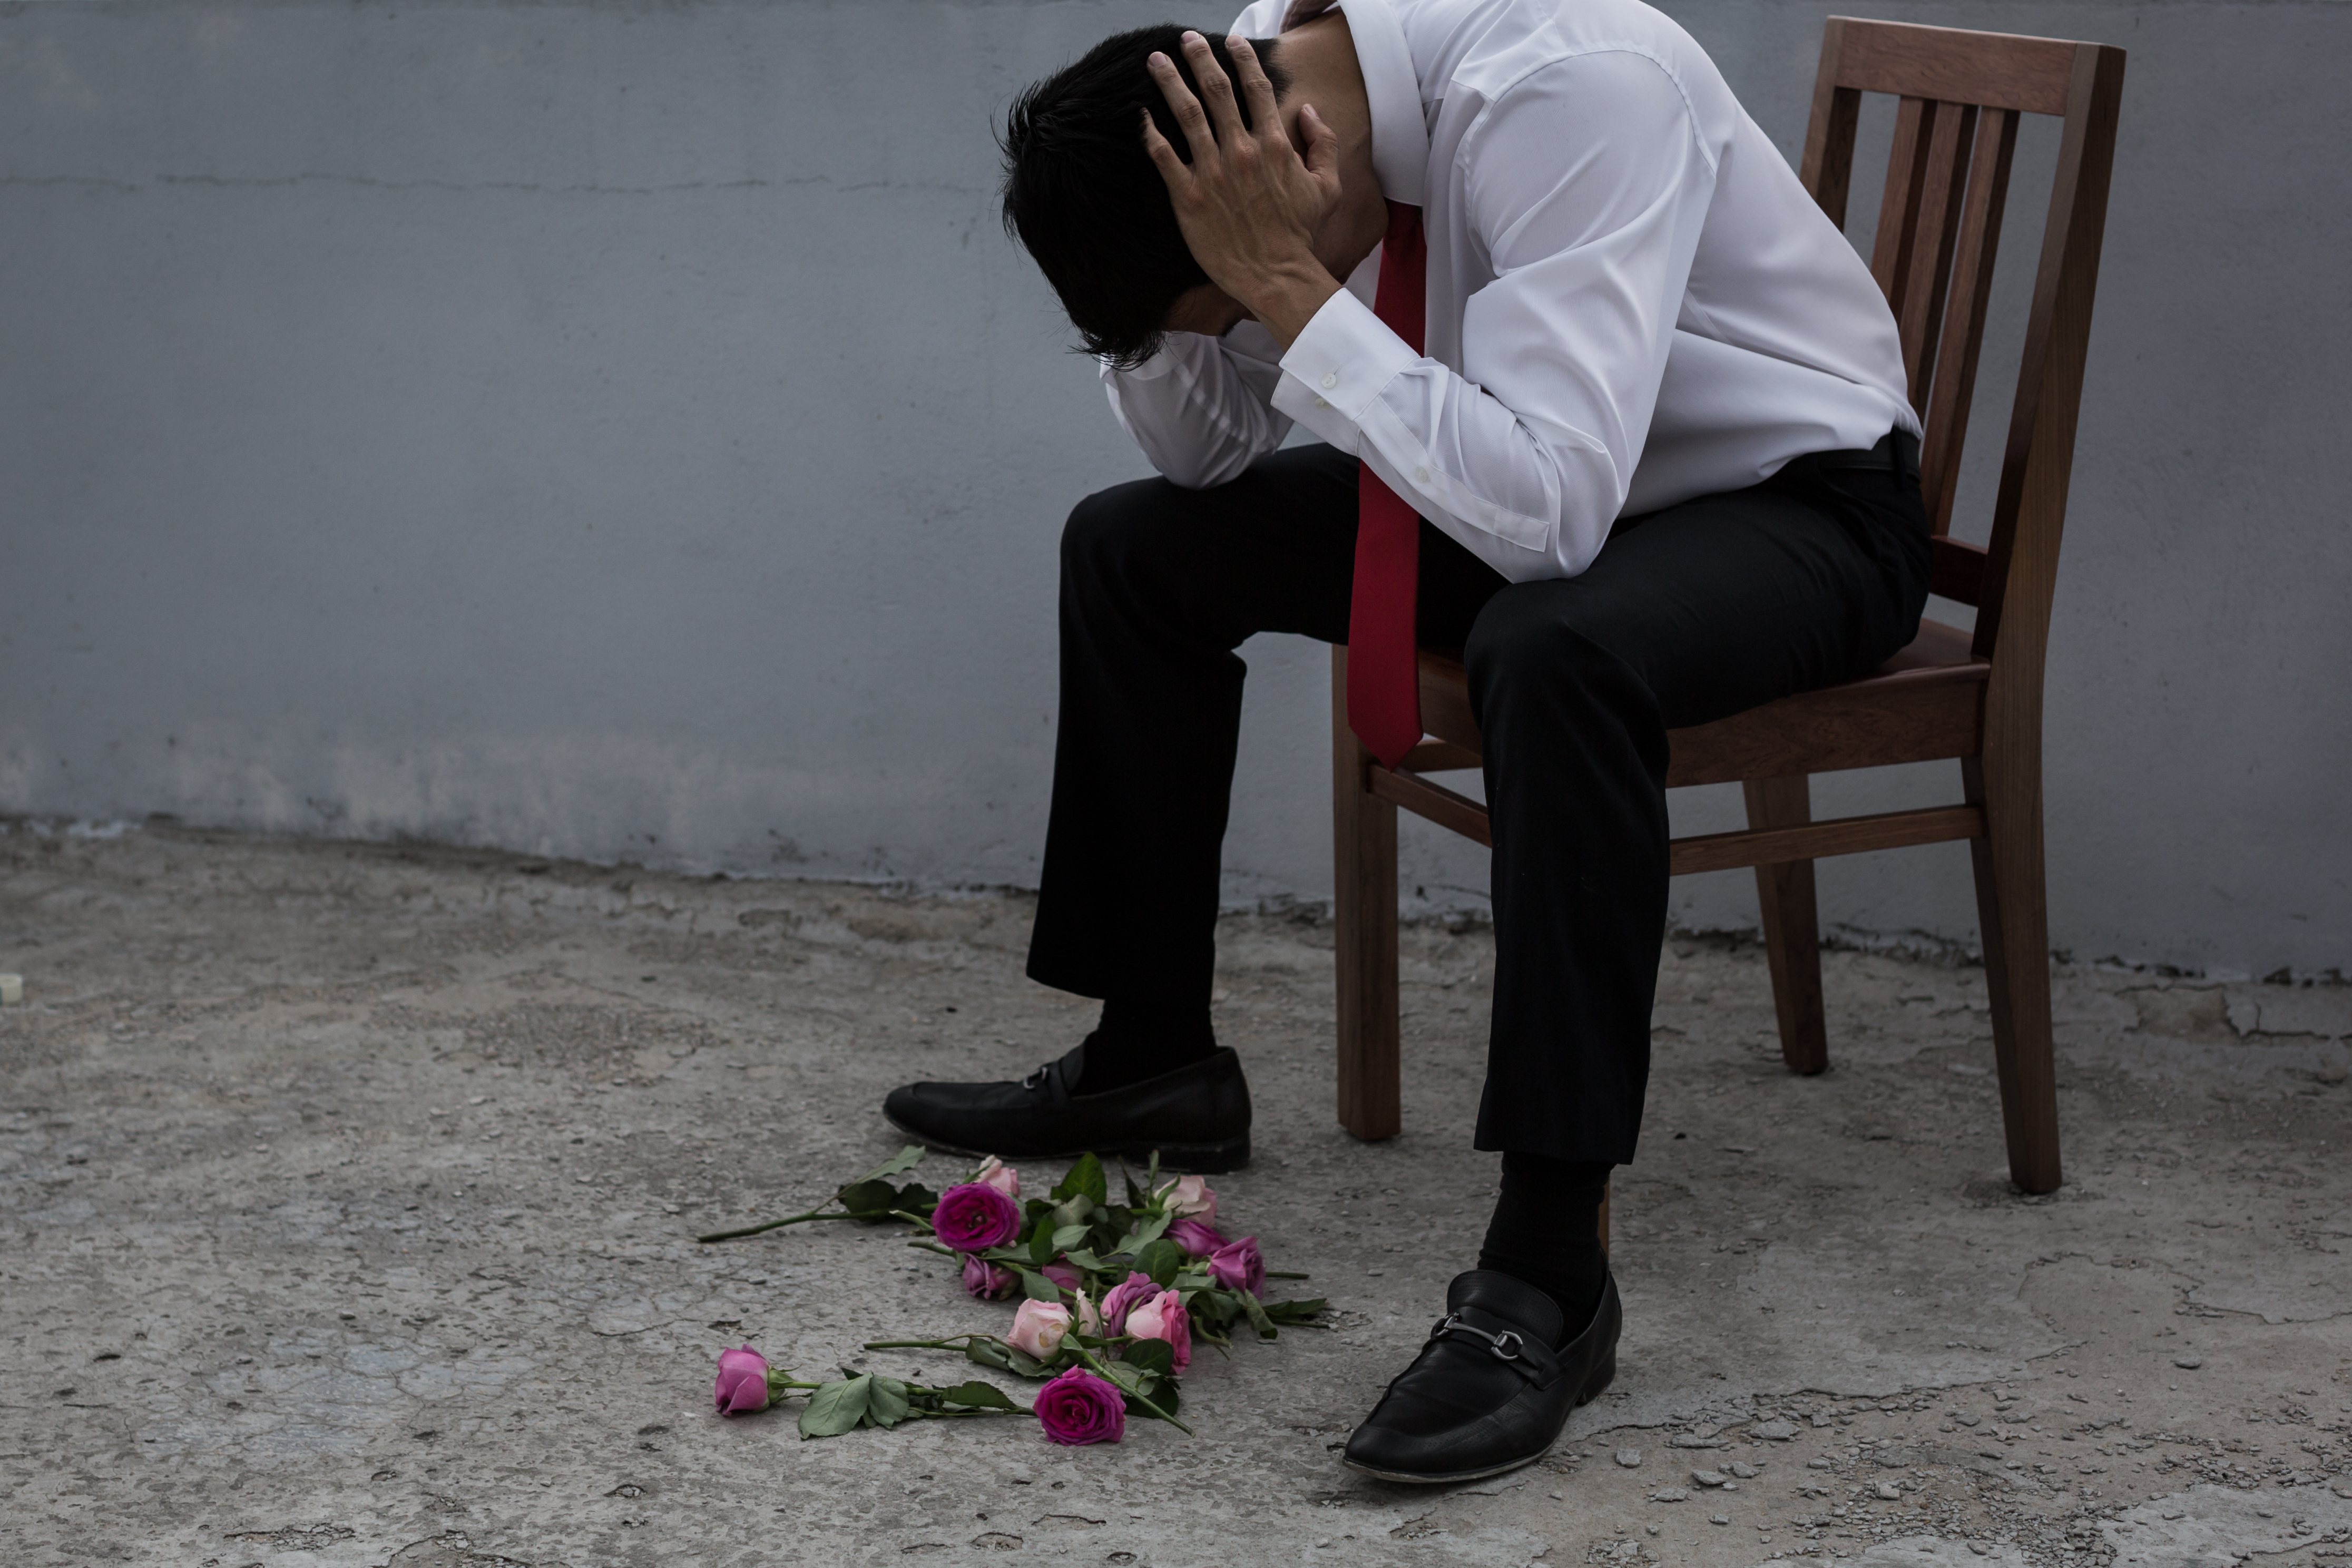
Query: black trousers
[[1687, 614]]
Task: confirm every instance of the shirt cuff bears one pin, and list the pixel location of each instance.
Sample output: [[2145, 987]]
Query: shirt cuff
[[1337, 367]]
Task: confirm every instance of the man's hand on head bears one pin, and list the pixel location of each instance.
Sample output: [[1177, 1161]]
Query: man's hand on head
[[1250, 207]]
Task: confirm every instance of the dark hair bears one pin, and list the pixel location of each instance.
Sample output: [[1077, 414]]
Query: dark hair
[[1084, 196]]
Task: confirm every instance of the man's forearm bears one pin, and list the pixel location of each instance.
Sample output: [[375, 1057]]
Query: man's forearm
[[1289, 298]]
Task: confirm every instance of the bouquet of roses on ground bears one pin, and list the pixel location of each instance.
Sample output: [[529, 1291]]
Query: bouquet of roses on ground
[[1112, 1296]]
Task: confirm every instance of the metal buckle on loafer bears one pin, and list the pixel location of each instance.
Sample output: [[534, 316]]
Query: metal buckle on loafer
[[1452, 1324]]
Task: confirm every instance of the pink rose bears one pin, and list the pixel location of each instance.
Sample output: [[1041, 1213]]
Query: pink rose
[[743, 1381], [1237, 1266], [1164, 1318], [1089, 1320], [995, 1172], [1039, 1328], [1197, 1239], [974, 1218], [1188, 1195], [989, 1281], [1122, 1297], [1061, 1274], [1078, 1409]]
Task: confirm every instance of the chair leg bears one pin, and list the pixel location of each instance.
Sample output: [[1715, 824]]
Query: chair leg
[[1793, 931], [1364, 912], [2014, 920]]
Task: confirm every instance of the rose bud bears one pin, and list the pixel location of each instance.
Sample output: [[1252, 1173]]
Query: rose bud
[[1197, 1239], [1164, 1318], [1039, 1328], [1090, 1322], [974, 1218], [1123, 1298], [995, 1172], [989, 1281], [1062, 1274], [1237, 1266], [1188, 1195], [743, 1381], [1078, 1409]]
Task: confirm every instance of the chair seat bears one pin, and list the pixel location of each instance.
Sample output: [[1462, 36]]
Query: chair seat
[[1924, 704]]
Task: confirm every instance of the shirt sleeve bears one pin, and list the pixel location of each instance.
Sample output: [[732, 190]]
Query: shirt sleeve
[[1585, 186], [1201, 408]]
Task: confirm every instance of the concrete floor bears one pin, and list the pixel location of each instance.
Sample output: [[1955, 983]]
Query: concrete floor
[[347, 1195]]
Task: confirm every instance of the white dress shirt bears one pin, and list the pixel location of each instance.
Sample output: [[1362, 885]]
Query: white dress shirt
[[1632, 301]]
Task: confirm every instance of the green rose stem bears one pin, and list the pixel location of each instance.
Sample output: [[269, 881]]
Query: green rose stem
[[1104, 1373], [955, 1342], [772, 1225]]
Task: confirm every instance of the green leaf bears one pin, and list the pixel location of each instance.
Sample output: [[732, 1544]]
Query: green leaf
[[863, 1199], [1134, 1193], [1146, 1233], [988, 1352], [1079, 1258], [905, 1159], [1068, 1236], [1037, 1288], [1258, 1316], [836, 1408], [1295, 1311], [1150, 1355], [1022, 1362], [1086, 1178], [916, 1198], [978, 1396], [1041, 1245], [886, 1405], [1160, 1258]]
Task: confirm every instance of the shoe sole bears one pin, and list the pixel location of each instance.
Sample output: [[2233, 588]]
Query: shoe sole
[[1603, 1375], [1206, 1159]]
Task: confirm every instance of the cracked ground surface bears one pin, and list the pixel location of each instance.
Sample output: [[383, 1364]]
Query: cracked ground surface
[[348, 1196]]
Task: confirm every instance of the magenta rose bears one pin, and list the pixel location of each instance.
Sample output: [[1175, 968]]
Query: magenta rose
[[1164, 1318], [989, 1281], [743, 1381], [974, 1217], [1237, 1266], [1196, 1238], [1124, 1297], [1062, 1274], [1079, 1409]]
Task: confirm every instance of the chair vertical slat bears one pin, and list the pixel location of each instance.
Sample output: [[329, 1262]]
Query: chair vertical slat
[[1890, 258], [1828, 168], [1943, 179], [1953, 387], [2030, 508]]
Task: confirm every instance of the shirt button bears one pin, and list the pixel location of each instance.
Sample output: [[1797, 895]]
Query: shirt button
[[1320, 403], [1421, 475], [1332, 379]]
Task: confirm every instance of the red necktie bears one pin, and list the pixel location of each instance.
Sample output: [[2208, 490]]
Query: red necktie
[[1383, 655]]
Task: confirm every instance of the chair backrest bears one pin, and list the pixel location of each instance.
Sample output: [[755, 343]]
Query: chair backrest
[[1938, 228]]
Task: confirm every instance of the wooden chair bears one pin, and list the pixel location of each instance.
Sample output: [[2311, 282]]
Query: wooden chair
[[1976, 698]]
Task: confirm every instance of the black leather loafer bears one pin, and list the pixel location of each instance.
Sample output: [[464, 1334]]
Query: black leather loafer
[[1197, 1117], [1489, 1393]]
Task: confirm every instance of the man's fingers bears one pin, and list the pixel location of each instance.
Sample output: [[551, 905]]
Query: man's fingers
[[1163, 156], [1255, 89], [1217, 88], [1190, 117], [1322, 147]]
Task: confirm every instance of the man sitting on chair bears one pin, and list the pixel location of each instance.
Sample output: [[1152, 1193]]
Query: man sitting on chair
[[1602, 398]]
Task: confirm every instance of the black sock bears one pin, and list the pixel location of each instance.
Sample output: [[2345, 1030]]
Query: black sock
[[1138, 1040], [1547, 1232]]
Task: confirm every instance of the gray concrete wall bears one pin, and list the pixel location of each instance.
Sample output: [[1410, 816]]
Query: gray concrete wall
[[622, 431]]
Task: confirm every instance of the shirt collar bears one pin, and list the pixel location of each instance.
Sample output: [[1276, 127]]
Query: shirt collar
[[1393, 88]]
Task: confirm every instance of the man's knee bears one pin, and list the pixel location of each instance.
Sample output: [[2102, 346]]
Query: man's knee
[[1108, 527], [1530, 632]]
